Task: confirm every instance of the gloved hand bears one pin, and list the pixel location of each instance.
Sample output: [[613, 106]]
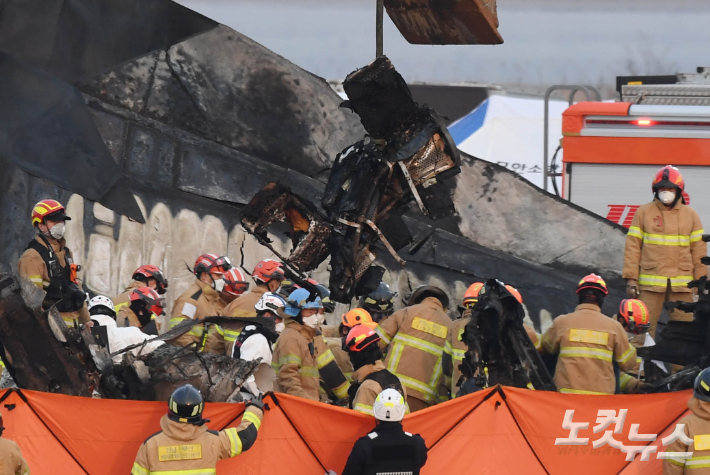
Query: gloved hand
[[78, 298], [643, 388], [256, 401], [632, 288]]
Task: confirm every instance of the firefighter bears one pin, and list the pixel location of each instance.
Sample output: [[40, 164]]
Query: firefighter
[[235, 284], [379, 303], [145, 276], [185, 446], [416, 336], [388, 449], [144, 306], [49, 264], [11, 460], [201, 299], [663, 248], [633, 316], [268, 275], [455, 348], [532, 334], [335, 337], [588, 343], [696, 428], [370, 377], [256, 340], [294, 357]]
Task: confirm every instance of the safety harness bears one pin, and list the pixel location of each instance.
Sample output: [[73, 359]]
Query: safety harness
[[60, 284]]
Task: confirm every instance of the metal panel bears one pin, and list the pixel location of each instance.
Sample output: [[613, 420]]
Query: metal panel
[[451, 22], [598, 188], [672, 94]]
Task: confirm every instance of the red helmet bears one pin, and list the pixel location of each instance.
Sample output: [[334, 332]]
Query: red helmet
[[235, 282], [151, 271], [150, 297], [668, 177], [635, 317], [212, 263], [471, 295], [593, 281], [267, 270], [360, 337], [514, 292], [48, 209]]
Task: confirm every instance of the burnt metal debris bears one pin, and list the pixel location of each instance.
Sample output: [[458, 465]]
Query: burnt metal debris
[[499, 349], [406, 157], [42, 353]]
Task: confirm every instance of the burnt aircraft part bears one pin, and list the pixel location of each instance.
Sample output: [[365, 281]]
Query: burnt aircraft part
[[500, 351], [453, 22], [48, 132]]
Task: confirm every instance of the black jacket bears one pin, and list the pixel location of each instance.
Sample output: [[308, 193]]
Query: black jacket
[[387, 449]]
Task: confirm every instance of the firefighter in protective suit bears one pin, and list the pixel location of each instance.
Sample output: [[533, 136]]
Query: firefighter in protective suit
[[145, 276], [387, 449], [663, 248], [416, 336], [185, 446], [696, 433], [11, 460], [48, 263], [370, 377], [588, 343]]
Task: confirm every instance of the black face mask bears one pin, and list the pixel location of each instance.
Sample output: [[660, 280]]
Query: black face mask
[[144, 315]]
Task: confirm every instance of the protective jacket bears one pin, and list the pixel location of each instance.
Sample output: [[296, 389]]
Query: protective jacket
[[222, 337], [416, 337], [697, 428], [50, 270], [387, 450], [341, 356], [122, 337], [294, 361], [368, 382], [664, 246], [187, 449], [588, 342], [454, 351], [125, 319], [334, 380], [11, 460], [198, 301]]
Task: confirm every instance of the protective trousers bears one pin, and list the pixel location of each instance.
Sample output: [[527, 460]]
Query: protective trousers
[[655, 300]]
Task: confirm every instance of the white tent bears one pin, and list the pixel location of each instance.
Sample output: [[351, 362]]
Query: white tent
[[509, 131]]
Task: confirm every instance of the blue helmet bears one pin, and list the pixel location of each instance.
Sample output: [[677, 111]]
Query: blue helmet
[[298, 300]]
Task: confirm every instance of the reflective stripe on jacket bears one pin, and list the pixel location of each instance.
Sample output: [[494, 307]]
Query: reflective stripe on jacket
[[664, 245], [328, 369], [696, 427], [186, 449], [294, 361], [416, 337], [198, 301], [588, 342]]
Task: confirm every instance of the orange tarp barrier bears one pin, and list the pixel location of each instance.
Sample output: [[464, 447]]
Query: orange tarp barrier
[[495, 431]]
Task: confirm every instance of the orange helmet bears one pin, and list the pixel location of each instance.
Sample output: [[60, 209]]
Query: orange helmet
[[212, 263], [360, 337], [48, 209], [668, 177], [634, 316], [150, 297], [267, 270], [471, 295], [235, 282], [356, 316], [514, 292], [593, 281]]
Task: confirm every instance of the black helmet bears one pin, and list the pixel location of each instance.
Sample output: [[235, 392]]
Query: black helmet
[[328, 304], [186, 405], [429, 291], [701, 388], [287, 286], [380, 302]]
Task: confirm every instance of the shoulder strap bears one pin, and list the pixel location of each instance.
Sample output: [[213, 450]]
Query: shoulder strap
[[196, 295], [213, 432], [150, 437]]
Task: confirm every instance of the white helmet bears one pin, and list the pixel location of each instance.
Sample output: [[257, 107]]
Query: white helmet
[[101, 301], [270, 302], [389, 406]]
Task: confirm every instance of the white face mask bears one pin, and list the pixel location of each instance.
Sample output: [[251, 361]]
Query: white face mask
[[57, 231], [311, 321], [321, 318], [280, 327], [666, 197], [219, 285]]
